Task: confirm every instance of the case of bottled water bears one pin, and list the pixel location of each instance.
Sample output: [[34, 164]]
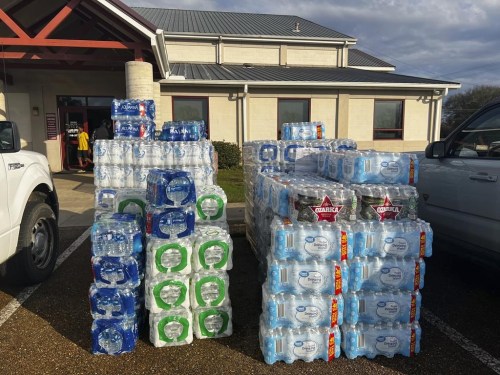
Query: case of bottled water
[[387, 202], [133, 109], [377, 307], [304, 309], [183, 131], [105, 199], [213, 322], [131, 201], [167, 291], [304, 343], [372, 167], [106, 303], [288, 150], [386, 274], [258, 152], [114, 272], [302, 131], [209, 289], [170, 187], [135, 129], [313, 204], [116, 238], [212, 249], [114, 336], [308, 241], [385, 339], [325, 277], [170, 222], [171, 328], [169, 256], [211, 203], [343, 144], [141, 177], [113, 152], [402, 238]]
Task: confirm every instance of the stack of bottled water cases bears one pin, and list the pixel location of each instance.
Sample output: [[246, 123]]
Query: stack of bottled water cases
[[382, 307], [186, 278], [305, 131], [133, 118]]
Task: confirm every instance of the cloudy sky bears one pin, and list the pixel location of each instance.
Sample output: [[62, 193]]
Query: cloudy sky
[[452, 40]]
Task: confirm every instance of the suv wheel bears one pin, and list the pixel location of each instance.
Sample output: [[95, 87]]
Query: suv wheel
[[37, 248]]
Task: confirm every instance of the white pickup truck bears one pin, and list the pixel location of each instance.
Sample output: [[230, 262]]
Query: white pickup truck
[[29, 209]]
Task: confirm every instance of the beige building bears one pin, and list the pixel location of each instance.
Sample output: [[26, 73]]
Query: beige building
[[243, 74]]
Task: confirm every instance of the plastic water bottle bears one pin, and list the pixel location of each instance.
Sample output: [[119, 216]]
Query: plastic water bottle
[[386, 339], [132, 201], [385, 274], [213, 322], [104, 199], [403, 238], [325, 277], [343, 144], [116, 271], [170, 187], [112, 302], [115, 238], [166, 292], [209, 289], [170, 222], [140, 177], [114, 336], [212, 249], [305, 309], [308, 241], [305, 343], [211, 203], [171, 328], [376, 307], [169, 256]]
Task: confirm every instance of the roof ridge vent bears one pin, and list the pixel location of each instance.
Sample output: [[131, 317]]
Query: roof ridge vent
[[297, 29]]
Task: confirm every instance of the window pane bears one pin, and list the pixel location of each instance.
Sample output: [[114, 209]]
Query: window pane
[[388, 119], [72, 101], [100, 101], [290, 110], [192, 109]]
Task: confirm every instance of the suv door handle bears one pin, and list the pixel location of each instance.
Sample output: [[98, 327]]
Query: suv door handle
[[15, 166], [484, 177]]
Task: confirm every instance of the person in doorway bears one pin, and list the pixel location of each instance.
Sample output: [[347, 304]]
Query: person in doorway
[[83, 150], [102, 132]]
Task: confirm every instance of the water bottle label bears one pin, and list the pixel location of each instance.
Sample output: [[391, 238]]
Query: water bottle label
[[308, 314], [391, 276], [170, 294], [316, 246], [397, 246], [210, 291], [214, 255], [110, 340], [214, 323], [311, 279], [326, 211], [387, 344], [173, 330], [111, 273], [171, 259], [111, 236], [388, 309], [305, 349], [387, 210], [390, 169], [172, 223]]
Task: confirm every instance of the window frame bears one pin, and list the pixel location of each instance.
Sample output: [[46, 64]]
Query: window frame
[[308, 100], [205, 98], [389, 130]]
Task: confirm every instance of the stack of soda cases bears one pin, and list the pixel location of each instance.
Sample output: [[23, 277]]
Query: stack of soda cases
[[382, 307], [117, 295], [186, 278]]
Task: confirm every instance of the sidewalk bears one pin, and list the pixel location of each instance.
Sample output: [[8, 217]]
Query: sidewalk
[[76, 202]]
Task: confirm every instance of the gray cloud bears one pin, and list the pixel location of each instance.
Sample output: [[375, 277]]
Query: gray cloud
[[455, 40]]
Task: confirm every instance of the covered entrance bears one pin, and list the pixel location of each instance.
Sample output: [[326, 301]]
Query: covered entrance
[[75, 111]]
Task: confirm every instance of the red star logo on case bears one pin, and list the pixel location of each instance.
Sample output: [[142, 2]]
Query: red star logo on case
[[387, 211], [327, 211]]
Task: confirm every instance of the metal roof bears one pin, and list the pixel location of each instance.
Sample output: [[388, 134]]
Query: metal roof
[[214, 73], [197, 22], [359, 58]]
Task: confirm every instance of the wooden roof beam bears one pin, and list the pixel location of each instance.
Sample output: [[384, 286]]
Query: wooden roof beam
[[11, 24], [56, 56], [74, 43], [58, 19]]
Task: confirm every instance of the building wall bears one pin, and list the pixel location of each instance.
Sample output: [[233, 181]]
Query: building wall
[[40, 88], [312, 56], [192, 51]]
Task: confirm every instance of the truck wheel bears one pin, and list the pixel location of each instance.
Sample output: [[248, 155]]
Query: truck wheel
[[37, 247]]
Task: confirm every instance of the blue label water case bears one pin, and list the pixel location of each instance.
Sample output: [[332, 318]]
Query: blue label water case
[[170, 222], [170, 187], [114, 336], [108, 303], [117, 271]]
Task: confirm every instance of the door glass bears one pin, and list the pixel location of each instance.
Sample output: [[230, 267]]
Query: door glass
[[72, 120], [480, 139]]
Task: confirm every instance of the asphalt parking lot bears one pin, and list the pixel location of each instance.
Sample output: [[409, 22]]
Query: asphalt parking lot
[[46, 330]]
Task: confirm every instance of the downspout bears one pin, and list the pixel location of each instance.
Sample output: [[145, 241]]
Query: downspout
[[219, 51], [244, 114], [438, 113]]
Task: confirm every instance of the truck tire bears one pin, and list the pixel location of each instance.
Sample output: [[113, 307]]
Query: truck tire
[[37, 247]]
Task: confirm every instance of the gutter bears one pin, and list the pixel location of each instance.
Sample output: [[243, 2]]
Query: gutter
[[244, 114]]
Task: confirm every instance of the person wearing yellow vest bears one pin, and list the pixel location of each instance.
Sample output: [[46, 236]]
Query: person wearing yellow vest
[[83, 150]]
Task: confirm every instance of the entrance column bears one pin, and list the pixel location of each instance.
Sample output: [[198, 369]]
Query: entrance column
[[139, 80], [157, 99], [3, 108]]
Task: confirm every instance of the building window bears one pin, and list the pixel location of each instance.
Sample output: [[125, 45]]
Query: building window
[[388, 121], [292, 110], [191, 109]]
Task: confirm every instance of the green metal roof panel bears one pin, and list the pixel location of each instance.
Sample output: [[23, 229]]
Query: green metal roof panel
[[214, 72], [356, 57], [236, 24]]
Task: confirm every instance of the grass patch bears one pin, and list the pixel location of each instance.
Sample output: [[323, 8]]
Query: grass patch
[[231, 180]]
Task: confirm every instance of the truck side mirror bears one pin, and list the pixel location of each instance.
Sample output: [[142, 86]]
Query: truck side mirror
[[435, 150], [10, 141]]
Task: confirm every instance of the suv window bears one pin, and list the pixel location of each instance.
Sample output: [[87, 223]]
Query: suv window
[[479, 139], [6, 136]]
